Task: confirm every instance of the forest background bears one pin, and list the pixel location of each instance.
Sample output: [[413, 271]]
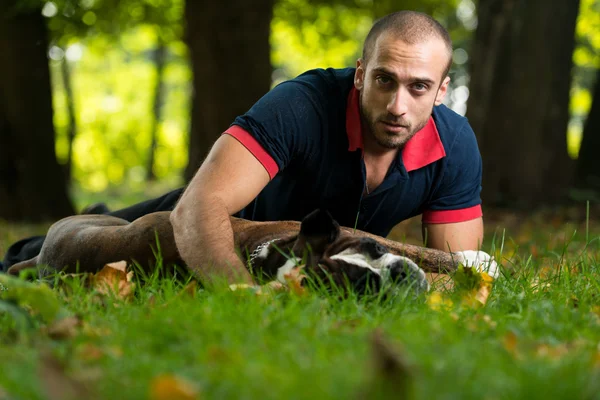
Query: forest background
[[104, 96]]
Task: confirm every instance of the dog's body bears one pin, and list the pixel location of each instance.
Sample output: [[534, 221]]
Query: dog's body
[[85, 243]]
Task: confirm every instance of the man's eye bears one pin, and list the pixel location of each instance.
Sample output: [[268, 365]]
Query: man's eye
[[383, 80], [420, 87]]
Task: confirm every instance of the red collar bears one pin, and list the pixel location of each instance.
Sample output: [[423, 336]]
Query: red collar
[[422, 149]]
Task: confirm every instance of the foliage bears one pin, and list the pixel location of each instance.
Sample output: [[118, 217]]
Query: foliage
[[109, 47], [586, 58]]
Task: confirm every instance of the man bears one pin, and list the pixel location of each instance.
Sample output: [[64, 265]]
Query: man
[[373, 145]]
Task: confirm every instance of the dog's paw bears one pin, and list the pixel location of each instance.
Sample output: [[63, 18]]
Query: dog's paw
[[480, 260]]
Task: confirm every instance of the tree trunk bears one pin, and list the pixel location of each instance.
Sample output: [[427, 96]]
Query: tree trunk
[[72, 132], [160, 56], [230, 56], [588, 167], [519, 103], [32, 185]]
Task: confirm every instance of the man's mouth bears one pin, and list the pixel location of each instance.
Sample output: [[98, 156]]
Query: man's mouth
[[394, 127]]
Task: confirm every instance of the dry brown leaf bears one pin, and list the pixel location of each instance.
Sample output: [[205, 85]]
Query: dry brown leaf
[[169, 387], [90, 352], [393, 376], [510, 342], [65, 328], [552, 352], [55, 383], [294, 280], [113, 279], [4, 394], [190, 289]]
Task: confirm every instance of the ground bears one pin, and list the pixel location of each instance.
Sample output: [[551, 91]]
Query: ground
[[533, 333]]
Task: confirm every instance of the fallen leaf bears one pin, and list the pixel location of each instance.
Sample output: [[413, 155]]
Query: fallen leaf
[[169, 387], [190, 289], [350, 324], [55, 383], [479, 294], [552, 352], [510, 342], [438, 302], [65, 328], [294, 280], [392, 374], [90, 352], [483, 293], [113, 279]]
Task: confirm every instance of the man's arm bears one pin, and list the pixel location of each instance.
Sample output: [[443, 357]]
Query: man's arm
[[228, 180], [456, 236]]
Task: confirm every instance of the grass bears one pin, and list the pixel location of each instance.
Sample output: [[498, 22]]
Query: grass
[[537, 336]]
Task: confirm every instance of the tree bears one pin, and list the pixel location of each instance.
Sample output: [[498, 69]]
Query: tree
[[230, 57], [32, 185], [519, 96]]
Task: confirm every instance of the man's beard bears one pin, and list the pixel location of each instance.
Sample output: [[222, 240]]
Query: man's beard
[[385, 140]]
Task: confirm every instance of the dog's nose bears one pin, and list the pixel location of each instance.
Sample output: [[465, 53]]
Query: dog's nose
[[402, 272], [368, 283]]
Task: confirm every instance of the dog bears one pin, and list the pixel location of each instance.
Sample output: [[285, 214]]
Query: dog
[[333, 255]]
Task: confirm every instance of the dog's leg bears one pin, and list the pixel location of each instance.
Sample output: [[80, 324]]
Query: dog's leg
[[430, 260], [15, 269]]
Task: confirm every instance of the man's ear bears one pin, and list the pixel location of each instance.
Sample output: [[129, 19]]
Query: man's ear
[[441, 93], [318, 229], [359, 75]]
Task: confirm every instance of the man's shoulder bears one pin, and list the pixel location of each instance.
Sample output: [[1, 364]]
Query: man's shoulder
[[327, 80], [453, 128], [448, 121]]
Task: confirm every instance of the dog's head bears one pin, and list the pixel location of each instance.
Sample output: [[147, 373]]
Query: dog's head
[[338, 259]]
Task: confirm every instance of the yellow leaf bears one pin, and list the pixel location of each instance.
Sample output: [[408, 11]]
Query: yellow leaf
[[294, 279], [169, 387], [437, 301], [510, 343]]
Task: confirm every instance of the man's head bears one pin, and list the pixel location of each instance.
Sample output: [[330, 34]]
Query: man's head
[[401, 76]]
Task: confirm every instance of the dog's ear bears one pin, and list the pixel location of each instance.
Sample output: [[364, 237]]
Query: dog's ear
[[321, 224], [318, 229]]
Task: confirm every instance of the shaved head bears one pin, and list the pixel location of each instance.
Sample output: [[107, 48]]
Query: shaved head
[[411, 27]]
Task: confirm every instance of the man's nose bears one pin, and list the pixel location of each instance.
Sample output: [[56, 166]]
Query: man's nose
[[398, 103]]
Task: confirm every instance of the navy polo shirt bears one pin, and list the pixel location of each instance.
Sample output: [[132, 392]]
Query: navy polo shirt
[[307, 134]]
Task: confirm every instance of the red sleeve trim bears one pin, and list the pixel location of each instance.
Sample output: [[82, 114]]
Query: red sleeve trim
[[450, 216], [249, 142]]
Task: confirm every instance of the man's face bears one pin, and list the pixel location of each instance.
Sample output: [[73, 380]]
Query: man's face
[[398, 87]]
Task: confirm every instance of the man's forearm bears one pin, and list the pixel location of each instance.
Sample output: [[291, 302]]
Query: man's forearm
[[205, 241]]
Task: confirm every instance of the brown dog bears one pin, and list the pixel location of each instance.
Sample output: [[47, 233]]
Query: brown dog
[[339, 255]]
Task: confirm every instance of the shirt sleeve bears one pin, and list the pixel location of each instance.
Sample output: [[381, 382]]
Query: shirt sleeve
[[458, 197], [282, 126]]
